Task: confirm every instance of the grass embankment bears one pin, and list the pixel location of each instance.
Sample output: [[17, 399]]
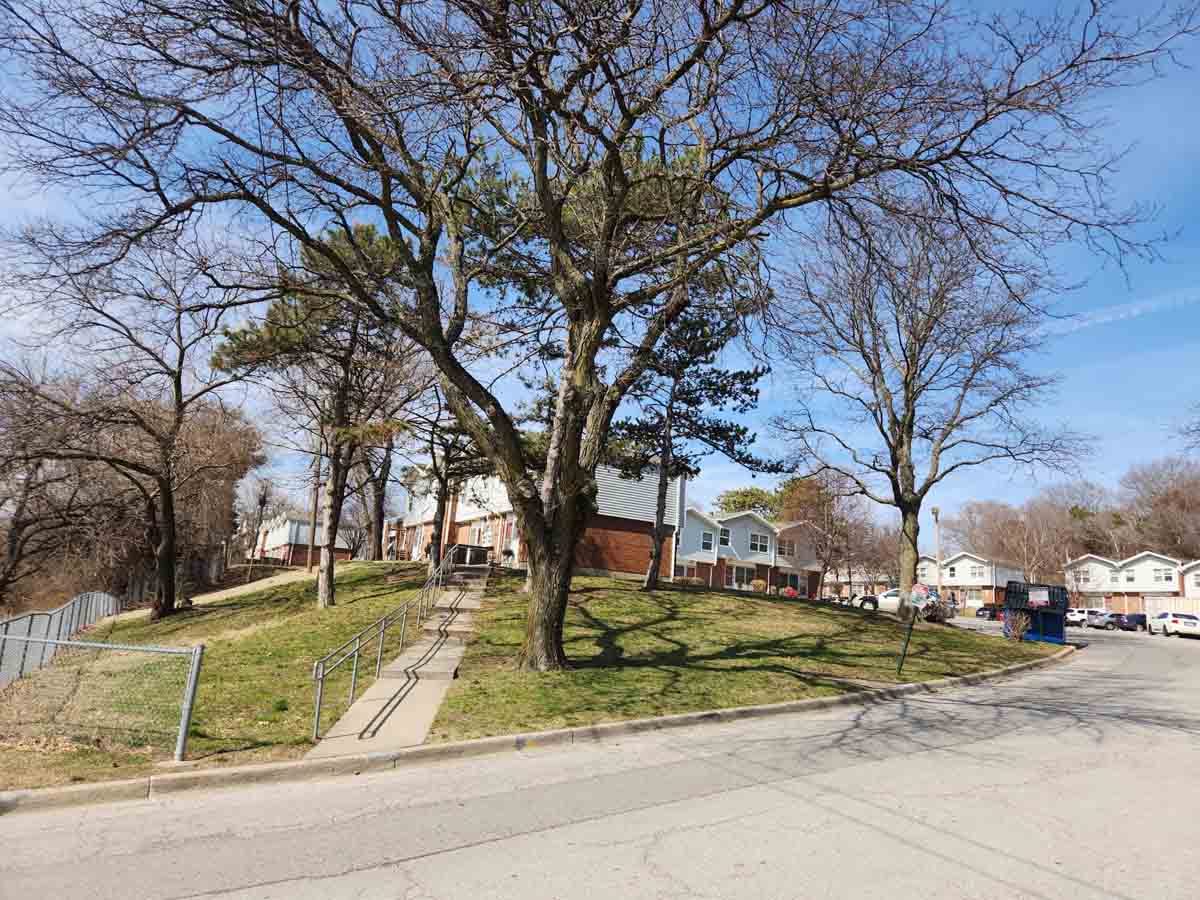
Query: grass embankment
[[90, 716], [636, 655]]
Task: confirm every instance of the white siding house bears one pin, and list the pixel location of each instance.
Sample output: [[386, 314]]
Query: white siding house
[[973, 579], [1191, 582], [735, 550], [1145, 582]]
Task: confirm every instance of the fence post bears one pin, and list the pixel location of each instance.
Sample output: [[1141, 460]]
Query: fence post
[[189, 701], [319, 678], [403, 627], [45, 647], [25, 649], [379, 652], [354, 668], [3, 645]]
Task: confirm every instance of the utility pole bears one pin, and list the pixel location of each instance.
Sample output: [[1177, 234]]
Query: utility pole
[[264, 495], [937, 544], [313, 501]]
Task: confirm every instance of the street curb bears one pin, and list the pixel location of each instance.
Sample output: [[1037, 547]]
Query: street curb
[[154, 785]]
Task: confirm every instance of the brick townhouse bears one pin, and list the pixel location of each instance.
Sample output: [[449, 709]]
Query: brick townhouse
[[285, 540], [1148, 582], [736, 550], [618, 538]]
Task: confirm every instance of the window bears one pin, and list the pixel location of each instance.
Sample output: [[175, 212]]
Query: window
[[1084, 575], [1162, 575], [1129, 576], [759, 543], [706, 540], [950, 571], [1196, 579], [1114, 576], [787, 548], [724, 537], [976, 571], [922, 573], [685, 571]]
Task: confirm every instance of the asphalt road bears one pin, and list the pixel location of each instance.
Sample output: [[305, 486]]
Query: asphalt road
[[1078, 781]]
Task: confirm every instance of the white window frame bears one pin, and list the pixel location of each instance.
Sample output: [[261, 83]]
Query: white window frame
[[762, 540], [1084, 576], [724, 537], [787, 548], [976, 571], [1130, 577], [706, 540], [1196, 579], [950, 571], [1114, 576]]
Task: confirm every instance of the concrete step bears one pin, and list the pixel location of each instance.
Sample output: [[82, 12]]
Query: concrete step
[[451, 622], [429, 659], [457, 600]]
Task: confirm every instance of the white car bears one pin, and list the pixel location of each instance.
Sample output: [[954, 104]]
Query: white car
[[1078, 616], [889, 601], [1169, 623]]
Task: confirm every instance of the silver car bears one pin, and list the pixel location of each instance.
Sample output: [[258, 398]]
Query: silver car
[[1109, 621]]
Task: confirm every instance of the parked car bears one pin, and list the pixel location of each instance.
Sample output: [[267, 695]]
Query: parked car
[[1169, 623], [889, 601], [1132, 622], [1103, 619], [990, 613], [1076, 616]]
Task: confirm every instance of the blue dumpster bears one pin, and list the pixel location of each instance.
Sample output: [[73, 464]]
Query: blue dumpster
[[1046, 606]]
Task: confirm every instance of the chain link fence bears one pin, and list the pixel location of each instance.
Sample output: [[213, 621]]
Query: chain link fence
[[19, 658], [101, 696], [62, 691]]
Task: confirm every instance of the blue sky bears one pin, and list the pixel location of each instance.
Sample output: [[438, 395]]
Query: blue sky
[[1129, 360], [1130, 357]]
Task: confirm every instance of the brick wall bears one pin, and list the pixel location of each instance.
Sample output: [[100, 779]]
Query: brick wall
[[619, 545]]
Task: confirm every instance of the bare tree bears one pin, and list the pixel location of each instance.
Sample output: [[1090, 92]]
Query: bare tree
[[551, 173], [1191, 431], [835, 520], [913, 351], [134, 392]]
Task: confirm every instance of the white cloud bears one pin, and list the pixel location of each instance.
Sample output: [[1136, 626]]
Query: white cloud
[[1123, 311]]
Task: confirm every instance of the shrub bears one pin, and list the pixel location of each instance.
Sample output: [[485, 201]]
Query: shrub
[[1018, 626], [691, 581], [758, 585], [791, 593]]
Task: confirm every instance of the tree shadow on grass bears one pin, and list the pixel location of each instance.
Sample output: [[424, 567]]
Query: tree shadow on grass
[[804, 657]]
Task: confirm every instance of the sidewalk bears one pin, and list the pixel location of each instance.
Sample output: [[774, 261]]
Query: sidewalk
[[397, 711]]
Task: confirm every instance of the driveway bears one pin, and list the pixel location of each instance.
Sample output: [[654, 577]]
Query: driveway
[[1078, 781]]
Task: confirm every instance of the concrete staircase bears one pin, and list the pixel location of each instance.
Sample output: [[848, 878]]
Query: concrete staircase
[[398, 709]]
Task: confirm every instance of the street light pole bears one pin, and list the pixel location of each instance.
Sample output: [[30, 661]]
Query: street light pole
[[937, 544]]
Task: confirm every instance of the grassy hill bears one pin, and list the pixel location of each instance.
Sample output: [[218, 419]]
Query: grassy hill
[[641, 654], [113, 715]]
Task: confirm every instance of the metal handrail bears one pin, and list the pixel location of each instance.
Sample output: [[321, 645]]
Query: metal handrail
[[352, 648]]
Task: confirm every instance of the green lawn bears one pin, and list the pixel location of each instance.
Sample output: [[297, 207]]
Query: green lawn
[[636, 654], [91, 716]]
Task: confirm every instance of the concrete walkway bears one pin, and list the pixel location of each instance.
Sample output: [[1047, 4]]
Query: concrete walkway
[[397, 710]]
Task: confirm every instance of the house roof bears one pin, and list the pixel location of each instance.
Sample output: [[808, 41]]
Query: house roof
[[700, 514], [1161, 556], [963, 553], [1190, 566], [1103, 559], [749, 512]]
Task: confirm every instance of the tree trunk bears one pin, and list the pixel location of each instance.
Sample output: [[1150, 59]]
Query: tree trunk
[[551, 565], [909, 533], [164, 555], [379, 500], [439, 525], [331, 520], [658, 538]]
